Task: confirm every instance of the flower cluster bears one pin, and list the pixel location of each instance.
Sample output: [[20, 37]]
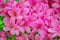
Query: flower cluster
[[30, 19]]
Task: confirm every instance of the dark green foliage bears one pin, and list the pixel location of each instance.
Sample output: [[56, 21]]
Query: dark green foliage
[[17, 0], [1, 23], [12, 38]]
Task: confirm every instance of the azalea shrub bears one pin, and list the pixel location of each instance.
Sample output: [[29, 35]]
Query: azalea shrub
[[29, 19]]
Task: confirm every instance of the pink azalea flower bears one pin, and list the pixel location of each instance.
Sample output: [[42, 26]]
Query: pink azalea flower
[[2, 36], [43, 16]]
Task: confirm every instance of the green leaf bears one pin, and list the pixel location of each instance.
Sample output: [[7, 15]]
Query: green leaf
[[1, 17], [0, 29], [12, 38], [54, 38], [17, 0], [7, 0], [8, 38], [57, 37], [1, 23]]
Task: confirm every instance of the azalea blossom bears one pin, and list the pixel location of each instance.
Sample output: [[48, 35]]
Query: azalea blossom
[[30, 19]]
